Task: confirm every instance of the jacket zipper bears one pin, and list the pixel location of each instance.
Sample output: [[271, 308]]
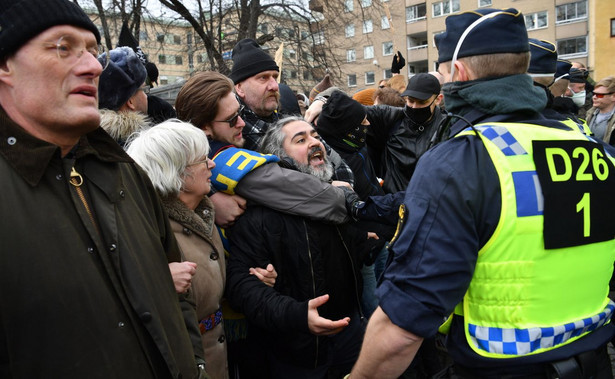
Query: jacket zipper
[[307, 240], [354, 274], [77, 180]]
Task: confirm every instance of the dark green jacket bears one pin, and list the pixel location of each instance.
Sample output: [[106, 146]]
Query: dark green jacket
[[79, 300]]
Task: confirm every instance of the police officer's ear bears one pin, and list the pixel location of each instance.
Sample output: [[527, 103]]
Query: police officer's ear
[[438, 99], [462, 72]]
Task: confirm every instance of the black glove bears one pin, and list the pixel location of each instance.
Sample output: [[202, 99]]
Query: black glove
[[398, 63], [353, 202]]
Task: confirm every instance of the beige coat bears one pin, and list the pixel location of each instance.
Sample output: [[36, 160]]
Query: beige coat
[[200, 242]]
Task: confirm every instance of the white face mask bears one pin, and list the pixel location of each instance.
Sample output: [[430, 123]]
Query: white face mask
[[579, 98]]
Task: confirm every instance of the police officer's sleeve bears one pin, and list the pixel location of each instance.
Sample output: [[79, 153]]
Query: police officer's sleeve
[[452, 207]]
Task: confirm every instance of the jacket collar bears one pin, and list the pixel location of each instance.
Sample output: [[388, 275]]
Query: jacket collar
[[30, 156], [201, 220]]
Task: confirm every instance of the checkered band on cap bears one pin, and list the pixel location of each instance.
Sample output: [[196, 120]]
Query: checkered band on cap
[[509, 341]]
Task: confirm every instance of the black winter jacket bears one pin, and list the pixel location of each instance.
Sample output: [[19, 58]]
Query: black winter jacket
[[311, 259], [396, 144]]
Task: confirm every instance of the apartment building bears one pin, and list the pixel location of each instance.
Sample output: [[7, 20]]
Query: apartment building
[[373, 30], [178, 51]]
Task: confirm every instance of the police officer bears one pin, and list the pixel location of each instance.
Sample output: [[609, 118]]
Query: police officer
[[507, 225]]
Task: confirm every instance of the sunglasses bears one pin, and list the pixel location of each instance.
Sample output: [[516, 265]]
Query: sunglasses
[[601, 95], [233, 120]]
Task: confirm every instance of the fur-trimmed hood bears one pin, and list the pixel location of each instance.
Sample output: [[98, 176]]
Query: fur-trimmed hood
[[200, 221], [120, 125]]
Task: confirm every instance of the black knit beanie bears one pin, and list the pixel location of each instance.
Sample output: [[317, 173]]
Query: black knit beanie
[[121, 79], [249, 59], [22, 20], [340, 116]]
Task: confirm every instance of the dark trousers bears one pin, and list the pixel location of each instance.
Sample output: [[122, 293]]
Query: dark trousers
[[594, 364], [343, 350]]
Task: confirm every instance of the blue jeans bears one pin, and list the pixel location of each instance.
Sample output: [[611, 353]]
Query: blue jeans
[[369, 301]]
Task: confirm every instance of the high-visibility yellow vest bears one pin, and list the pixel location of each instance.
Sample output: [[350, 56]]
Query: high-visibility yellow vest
[[524, 298]]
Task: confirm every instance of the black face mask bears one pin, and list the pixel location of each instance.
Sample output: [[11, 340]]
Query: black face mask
[[418, 116], [356, 136]]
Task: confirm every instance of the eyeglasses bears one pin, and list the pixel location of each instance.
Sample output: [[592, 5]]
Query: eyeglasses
[[205, 160], [601, 95], [69, 50], [233, 120], [145, 89]]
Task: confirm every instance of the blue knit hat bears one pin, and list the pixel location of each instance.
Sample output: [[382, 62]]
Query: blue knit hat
[[500, 31], [121, 79], [543, 58], [22, 20]]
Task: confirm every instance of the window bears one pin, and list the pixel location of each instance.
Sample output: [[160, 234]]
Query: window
[[293, 74], [351, 55], [368, 26], [201, 58], [444, 7], [613, 27], [319, 38], [571, 12], [348, 5], [162, 59], [349, 30], [416, 12], [572, 47], [142, 35], [352, 80], [484, 3], [368, 52], [307, 75], [384, 23], [292, 54], [387, 48], [305, 55], [416, 41], [370, 78], [171, 39], [179, 60], [388, 74], [263, 28], [536, 20], [366, 3]]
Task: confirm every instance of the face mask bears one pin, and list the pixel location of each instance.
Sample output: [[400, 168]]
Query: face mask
[[579, 98], [418, 116], [356, 136]]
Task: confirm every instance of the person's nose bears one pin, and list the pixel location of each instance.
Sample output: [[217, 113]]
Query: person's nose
[[88, 63], [273, 84], [210, 163], [240, 122]]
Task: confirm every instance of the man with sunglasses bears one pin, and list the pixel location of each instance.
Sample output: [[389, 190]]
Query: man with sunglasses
[[208, 101], [600, 117], [86, 287]]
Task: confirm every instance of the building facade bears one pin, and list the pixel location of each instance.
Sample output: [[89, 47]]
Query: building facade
[[583, 31]]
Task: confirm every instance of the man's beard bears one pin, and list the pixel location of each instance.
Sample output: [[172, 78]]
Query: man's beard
[[323, 172]]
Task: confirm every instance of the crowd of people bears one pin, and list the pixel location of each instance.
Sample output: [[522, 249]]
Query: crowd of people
[[457, 225]]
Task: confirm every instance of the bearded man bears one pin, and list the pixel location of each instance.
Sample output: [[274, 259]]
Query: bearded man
[[310, 323]]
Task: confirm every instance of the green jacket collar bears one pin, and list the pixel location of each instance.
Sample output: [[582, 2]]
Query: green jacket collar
[[30, 156]]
